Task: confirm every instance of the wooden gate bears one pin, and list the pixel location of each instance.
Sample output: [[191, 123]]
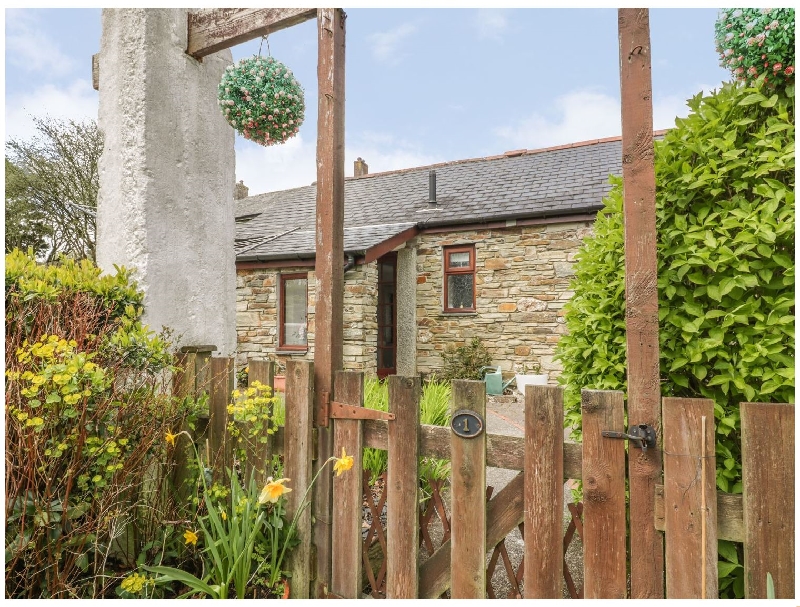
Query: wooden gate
[[399, 556]]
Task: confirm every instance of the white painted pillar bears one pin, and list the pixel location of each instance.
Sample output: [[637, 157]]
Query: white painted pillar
[[407, 312], [165, 205]]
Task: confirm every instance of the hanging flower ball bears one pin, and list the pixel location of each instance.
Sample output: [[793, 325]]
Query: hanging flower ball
[[757, 43], [262, 100]]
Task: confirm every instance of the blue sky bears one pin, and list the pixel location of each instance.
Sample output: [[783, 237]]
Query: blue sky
[[422, 85]]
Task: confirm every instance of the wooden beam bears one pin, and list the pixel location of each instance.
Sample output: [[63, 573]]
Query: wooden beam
[[641, 293], [730, 515], [329, 259], [214, 29]]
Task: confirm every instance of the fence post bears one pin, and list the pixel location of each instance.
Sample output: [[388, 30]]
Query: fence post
[[468, 520], [221, 381], [402, 488], [684, 485], [604, 533], [297, 457], [258, 449], [183, 386], [544, 490], [768, 487], [347, 491]]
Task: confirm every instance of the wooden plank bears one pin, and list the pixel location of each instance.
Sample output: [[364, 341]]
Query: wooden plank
[[183, 386], [683, 495], [221, 380], [258, 449], [544, 490], [502, 451], [215, 29], [730, 515], [768, 493], [297, 466], [641, 294], [468, 483], [328, 336], [402, 487], [347, 494], [604, 532], [503, 514]]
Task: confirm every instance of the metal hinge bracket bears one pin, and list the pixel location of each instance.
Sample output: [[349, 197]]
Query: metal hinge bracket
[[335, 410]]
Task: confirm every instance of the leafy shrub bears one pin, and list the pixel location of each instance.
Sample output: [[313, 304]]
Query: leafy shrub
[[725, 221], [86, 410], [465, 362], [757, 43]]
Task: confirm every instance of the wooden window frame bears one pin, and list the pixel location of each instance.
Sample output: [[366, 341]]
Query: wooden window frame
[[282, 345], [448, 271]]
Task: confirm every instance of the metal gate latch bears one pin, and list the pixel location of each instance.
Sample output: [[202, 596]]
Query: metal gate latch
[[642, 435]]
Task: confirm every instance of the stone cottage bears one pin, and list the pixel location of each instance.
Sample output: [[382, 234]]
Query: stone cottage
[[434, 256]]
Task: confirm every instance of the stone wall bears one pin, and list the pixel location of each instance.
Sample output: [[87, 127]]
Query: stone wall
[[522, 283], [257, 316]]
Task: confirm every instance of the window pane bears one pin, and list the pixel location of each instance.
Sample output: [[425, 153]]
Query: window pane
[[385, 358], [459, 291], [295, 322], [386, 272], [388, 336], [459, 260]]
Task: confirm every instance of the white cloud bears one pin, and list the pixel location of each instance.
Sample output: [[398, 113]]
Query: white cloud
[[490, 23], [386, 46], [383, 152], [28, 48], [77, 101], [583, 115], [280, 167], [293, 164]]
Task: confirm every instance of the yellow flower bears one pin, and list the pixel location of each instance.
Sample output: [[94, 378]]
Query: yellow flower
[[191, 537], [343, 463], [223, 515], [170, 437], [273, 490]]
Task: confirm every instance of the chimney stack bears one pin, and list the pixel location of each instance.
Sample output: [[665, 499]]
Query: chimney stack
[[360, 168], [240, 190], [432, 186]]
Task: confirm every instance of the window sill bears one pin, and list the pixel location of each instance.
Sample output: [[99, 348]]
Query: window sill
[[302, 352], [472, 313]]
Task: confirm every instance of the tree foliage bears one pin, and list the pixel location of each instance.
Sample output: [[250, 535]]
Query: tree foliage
[[725, 221], [54, 193]]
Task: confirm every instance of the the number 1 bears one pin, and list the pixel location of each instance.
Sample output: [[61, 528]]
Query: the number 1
[[466, 424]]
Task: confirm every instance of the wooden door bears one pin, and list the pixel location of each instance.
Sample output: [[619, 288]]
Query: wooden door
[[387, 315]]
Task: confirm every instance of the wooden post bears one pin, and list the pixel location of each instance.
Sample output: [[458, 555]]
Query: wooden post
[[347, 493], [641, 295], [183, 386], [221, 387], [298, 455], [544, 490], [402, 487], [258, 449], [768, 480], [468, 480], [604, 533], [683, 488], [329, 257]]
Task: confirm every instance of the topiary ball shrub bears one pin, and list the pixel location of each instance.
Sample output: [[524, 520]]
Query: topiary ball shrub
[[262, 100], [757, 42]]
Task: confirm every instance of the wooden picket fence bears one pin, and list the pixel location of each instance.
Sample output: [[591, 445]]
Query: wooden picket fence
[[405, 559]]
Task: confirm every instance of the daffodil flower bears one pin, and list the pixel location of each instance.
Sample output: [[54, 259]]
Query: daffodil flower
[[170, 437], [343, 463], [191, 537], [273, 490]]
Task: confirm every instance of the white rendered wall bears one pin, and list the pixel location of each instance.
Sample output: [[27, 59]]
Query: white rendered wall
[[165, 205]]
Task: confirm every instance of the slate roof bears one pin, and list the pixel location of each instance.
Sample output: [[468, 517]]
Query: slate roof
[[564, 180]]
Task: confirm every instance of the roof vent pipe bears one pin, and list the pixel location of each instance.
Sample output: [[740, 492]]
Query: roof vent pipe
[[432, 186]]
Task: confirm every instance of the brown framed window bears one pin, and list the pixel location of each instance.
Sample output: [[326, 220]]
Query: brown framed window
[[293, 333], [459, 279]]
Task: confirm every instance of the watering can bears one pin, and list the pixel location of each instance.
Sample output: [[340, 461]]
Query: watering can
[[494, 380]]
